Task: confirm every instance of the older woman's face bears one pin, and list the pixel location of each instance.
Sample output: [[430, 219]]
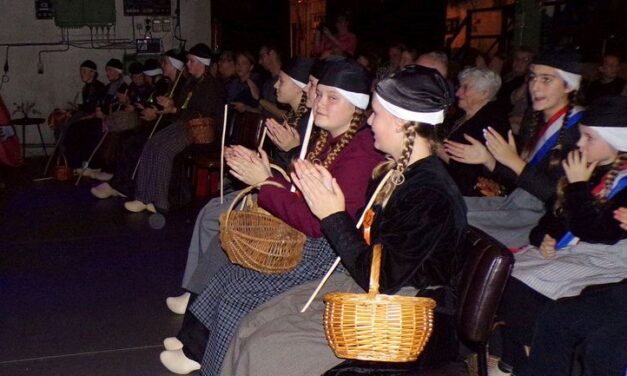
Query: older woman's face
[[469, 97]]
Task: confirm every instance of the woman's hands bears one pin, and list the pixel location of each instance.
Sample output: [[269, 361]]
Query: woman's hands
[[282, 135], [503, 150], [547, 248], [248, 166], [319, 189], [475, 153], [577, 167]]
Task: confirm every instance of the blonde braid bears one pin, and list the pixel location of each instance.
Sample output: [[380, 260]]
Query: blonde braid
[[356, 122], [321, 143], [410, 131], [617, 166], [301, 110]]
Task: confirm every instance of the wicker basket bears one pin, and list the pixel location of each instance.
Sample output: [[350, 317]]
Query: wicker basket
[[257, 240], [201, 130], [376, 327]]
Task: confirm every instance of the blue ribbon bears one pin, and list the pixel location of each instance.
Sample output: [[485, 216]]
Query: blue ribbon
[[548, 145], [566, 239]]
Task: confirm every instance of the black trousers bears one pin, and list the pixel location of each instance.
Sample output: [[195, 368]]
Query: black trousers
[[193, 334], [520, 308]]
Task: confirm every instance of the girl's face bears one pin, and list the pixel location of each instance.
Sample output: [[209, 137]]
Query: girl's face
[[549, 92], [387, 129], [87, 75], [195, 67], [168, 69], [112, 74], [310, 89], [333, 112], [286, 89], [243, 67], [226, 67], [594, 147]]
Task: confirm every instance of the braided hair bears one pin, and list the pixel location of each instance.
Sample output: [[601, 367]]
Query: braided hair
[[323, 139], [293, 117], [410, 130], [557, 152]]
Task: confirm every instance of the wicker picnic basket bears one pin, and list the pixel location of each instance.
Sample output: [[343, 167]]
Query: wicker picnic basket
[[377, 327], [201, 130], [257, 240]]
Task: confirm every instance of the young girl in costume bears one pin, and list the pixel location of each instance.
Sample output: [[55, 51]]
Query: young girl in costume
[[345, 146], [418, 217], [554, 79], [578, 243]]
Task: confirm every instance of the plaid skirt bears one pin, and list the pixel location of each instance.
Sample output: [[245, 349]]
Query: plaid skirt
[[235, 291]]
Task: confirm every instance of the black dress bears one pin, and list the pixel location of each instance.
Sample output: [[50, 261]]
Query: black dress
[[421, 231]]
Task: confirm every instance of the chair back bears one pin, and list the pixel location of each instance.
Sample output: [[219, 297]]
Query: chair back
[[484, 276], [245, 128]]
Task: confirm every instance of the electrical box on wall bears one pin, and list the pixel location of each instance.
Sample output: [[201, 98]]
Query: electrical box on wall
[[43, 9], [147, 7]]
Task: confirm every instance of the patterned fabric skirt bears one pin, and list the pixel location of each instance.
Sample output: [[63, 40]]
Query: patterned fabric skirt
[[572, 269], [235, 291]]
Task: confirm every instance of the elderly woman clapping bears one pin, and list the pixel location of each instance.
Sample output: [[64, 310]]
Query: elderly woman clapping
[[476, 94]]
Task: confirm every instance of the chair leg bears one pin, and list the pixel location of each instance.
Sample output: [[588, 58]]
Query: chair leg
[[482, 360], [41, 138]]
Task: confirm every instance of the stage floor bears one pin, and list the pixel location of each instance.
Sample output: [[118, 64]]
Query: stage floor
[[83, 282]]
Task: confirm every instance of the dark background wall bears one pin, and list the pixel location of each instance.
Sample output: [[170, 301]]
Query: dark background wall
[[248, 23]]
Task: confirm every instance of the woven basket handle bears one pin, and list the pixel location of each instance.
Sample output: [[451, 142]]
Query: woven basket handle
[[246, 191], [375, 269]]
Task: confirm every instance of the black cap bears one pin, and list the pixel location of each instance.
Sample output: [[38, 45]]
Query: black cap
[[115, 63], [89, 64], [179, 56], [607, 111], [298, 69], [566, 59], [201, 50], [419, 92], [350, 77], [346, 75], [321, 65], [136, 68], [152, 67]]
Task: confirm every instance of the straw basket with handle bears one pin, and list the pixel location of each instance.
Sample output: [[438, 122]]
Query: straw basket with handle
[[377, 327], [257, 240], [201, 130]]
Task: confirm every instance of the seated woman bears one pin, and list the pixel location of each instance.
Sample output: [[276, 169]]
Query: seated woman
[[344, 146], [554, 80], [84, 129], [419, 218], [205, 256], [205, 98], [240, 96], [129, 146], [476, 94], [578, 243]]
